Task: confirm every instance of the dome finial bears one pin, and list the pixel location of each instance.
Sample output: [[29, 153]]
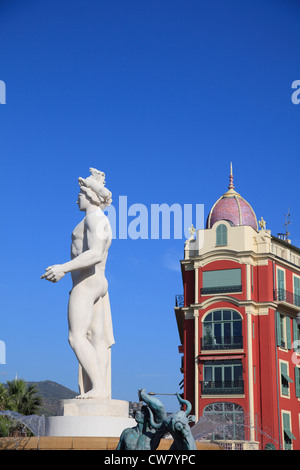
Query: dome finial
[[231, 185], [231, 206]]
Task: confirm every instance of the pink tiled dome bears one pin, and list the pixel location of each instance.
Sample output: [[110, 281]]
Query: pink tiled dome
[[233, 208]]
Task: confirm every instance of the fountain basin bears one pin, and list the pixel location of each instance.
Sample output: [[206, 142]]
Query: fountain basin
[[83, 443]]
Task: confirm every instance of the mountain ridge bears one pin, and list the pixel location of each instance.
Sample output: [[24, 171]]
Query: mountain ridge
[[52, 393]]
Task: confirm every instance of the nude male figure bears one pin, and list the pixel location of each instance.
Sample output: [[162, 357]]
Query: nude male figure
[[89, 318], [144, 436]]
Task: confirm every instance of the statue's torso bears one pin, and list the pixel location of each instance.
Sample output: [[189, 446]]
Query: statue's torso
[[79, 245], [77, 240]]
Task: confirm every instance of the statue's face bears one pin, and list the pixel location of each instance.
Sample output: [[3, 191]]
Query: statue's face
[[82, 201], [139, 417]]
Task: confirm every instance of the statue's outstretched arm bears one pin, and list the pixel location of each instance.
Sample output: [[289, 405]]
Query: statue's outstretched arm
[[96, 237], [154, 404]]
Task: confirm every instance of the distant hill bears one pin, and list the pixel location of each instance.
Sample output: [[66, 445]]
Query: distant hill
[[52, 393]]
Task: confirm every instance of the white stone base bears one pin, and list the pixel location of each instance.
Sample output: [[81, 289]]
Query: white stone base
[[94, 407], [91, 426], [90, 417]]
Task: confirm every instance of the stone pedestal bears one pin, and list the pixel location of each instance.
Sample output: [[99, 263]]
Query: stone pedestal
[[90, 417]]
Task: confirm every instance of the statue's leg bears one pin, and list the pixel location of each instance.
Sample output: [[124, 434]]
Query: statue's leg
[[84, 382], [80, 314], [98, 340]]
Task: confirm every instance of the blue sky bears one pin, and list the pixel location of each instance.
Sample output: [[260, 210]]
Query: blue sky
[[161, 96]]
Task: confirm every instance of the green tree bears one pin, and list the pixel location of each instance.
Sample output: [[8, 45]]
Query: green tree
[[4, 423], [19, 397], [23, 398], [3, 397]]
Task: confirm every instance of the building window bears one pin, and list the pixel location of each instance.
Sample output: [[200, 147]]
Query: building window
[[285, 379], [280, 284], [296, 336], [228, 419], [297, 382], [221, 235], [296, 291], [222, 377], [221, 281], [281, 294], [288, 436], [222, 329], [283, 328]]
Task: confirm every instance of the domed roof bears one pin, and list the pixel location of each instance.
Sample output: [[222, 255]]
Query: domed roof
[[233, 208]]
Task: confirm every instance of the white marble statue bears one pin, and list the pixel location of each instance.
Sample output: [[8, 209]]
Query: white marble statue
[[89, 316]]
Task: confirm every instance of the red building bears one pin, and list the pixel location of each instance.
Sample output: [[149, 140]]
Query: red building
[[237, 322]]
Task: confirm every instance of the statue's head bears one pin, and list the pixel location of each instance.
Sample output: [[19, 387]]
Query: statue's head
[[141, 415], [94, 189]]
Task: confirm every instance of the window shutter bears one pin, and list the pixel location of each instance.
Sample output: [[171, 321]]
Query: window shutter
[[297, 290], [288, 332], [221, 235], [297, 384], [224, 277], [280, 279], [287, 426], [284, 372], [286, 422], [284, 379], [278, 329], [295, 334]]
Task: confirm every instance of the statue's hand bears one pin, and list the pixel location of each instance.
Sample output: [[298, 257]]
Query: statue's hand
[[53, 273], [141, 394]]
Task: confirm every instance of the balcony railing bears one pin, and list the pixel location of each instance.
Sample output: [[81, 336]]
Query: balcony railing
[[236, 445], [179, 301], [285, 296], [227, 387], [216, 343], [220, 289]]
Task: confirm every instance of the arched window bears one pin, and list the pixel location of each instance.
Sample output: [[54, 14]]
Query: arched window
[[228, 419], [222, 329], [221, 235]]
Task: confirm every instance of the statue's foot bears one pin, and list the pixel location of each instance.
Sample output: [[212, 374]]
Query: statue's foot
[[94, 393]]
